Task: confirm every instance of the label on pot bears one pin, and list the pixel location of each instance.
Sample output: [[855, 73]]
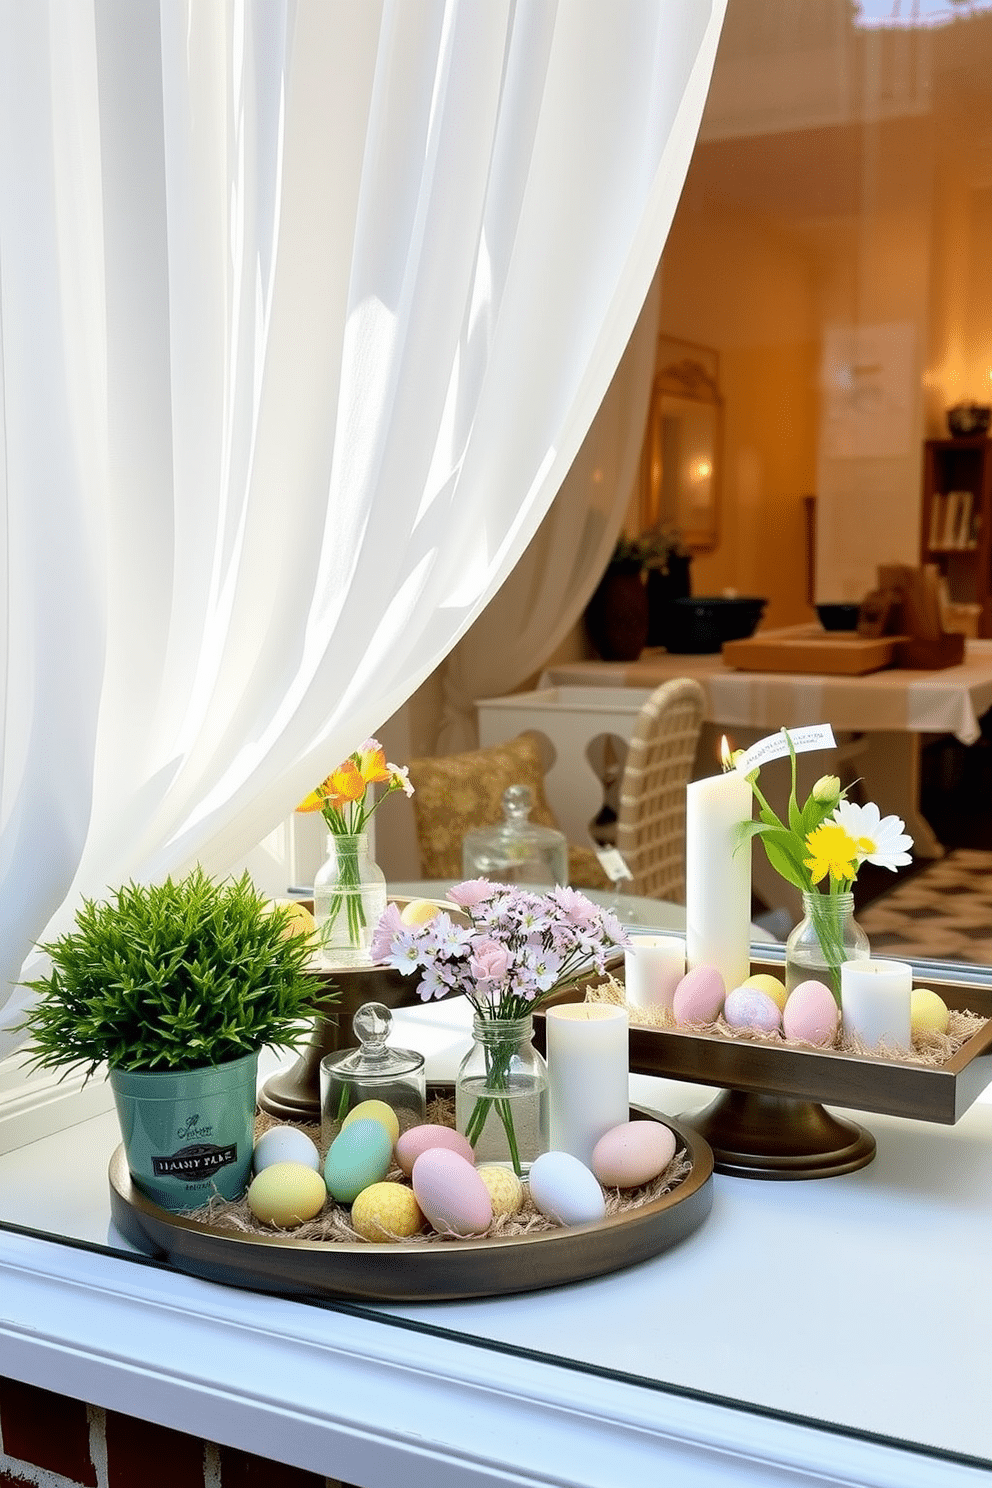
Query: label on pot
[[199, 1161]]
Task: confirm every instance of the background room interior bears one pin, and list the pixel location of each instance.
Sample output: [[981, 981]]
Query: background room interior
[[829, 256]]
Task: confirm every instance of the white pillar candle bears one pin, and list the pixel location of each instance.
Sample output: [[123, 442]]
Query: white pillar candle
[[653, 966], [718, 880], [588, 1075], [876, 1002]]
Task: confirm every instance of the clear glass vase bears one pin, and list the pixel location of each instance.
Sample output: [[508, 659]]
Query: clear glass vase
[[501, 1094], [349, 897], [827, 935]]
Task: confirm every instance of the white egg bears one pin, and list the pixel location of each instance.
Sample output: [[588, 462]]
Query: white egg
[[565, 1190], [285, 1144]]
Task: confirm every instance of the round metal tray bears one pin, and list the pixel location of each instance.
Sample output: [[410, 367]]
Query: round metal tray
[[422, 1272]]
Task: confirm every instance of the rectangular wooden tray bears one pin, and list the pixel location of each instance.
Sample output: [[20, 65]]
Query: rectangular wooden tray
[[940, 1094], [811, 650]]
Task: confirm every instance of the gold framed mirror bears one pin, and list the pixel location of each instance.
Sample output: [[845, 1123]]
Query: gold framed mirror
[[681, 464]]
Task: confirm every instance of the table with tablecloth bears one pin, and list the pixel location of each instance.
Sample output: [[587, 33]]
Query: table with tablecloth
[[880, 720]]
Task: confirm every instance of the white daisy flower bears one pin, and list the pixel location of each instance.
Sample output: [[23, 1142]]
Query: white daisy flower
[[880, 839]]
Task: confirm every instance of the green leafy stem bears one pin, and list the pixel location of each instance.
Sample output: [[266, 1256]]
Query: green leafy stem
[[497, 1078]]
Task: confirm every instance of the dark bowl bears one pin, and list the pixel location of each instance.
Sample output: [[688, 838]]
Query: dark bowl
[[700, 625], [838, 616], [969, 419]]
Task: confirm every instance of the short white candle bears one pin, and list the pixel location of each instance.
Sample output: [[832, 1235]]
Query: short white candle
[[876, 1002], [718, 880], [588, 1075], [653, 966]]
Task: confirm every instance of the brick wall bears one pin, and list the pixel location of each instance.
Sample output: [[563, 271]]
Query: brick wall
[[50, 1441]]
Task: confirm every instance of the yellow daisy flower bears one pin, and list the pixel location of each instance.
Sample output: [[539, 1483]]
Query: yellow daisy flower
[[831, 850]]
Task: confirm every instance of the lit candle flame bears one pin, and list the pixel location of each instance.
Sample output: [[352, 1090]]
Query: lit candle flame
[[726, 753]]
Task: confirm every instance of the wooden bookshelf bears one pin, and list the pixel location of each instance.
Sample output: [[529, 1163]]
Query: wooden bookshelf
[[956, 519]]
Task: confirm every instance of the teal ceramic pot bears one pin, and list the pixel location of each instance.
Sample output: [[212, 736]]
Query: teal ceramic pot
[[188, 1134]]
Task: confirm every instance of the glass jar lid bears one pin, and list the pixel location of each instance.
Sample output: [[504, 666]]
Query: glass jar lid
[[373, 1060]]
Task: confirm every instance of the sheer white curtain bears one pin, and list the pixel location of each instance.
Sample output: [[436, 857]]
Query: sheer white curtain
[[550, 586], [305, 309]]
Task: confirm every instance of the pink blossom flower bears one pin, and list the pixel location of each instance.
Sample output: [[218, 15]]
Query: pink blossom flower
[[390, 924], [474, 891], [490, 961]]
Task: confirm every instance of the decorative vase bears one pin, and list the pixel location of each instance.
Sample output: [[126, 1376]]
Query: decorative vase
[[664, 586], [501, 1094], [617, 615], [827, 935], [188, 1134], [349, 897]]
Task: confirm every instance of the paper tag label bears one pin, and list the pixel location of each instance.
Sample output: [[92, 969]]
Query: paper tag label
[[804, 741], [612, 864]]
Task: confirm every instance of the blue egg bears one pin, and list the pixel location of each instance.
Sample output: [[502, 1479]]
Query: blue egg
[[359, 1156]]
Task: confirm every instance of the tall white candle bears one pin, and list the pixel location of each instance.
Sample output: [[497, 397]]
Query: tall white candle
[[876, 1002], [718, 880], [588, 1075], [653, 966]]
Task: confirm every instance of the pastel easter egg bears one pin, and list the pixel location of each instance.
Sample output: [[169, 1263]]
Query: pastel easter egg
[[286, 1194], [699, 997], [418, 1139], [419, 911], [285, 1144], [358, 1156], [374, 1110], [773, 986], [386, 1212], [750, 1007], [811, 1014], [928, 1012], [565, 1190], [451, 1193], [633, 1153], [506, 1192]]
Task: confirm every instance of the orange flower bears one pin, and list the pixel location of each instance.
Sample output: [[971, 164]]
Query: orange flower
[[315, 800], [343, 785], [371, 762]]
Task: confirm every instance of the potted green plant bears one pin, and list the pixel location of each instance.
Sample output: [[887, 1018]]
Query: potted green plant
[[666, 564], [176, 987]]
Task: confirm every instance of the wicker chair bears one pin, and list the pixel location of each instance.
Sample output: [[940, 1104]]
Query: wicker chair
[[651, 820], [454, 793]]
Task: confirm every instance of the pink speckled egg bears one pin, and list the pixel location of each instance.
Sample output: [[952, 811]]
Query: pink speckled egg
[[750, 1007], [417, 1139], [811, 1014], [699, 996], [632, 1154], [451, 1194]]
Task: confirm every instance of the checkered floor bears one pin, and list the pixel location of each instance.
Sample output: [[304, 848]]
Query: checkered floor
[[944, 912]]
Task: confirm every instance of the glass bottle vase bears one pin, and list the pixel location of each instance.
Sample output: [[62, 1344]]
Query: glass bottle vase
[[501, 1094], [827, 935], [349, 897]]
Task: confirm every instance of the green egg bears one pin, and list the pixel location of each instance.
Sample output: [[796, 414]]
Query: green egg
[[359, 1156]]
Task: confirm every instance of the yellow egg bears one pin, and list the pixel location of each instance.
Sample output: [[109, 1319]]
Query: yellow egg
[[505, 1188], [386, 1211], [771, 986], [299, 921], [286, 1194], [928, 1012], [374, 1110], [418, 911]]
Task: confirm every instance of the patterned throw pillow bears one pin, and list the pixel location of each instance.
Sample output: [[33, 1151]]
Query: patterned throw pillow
[[455, 793]]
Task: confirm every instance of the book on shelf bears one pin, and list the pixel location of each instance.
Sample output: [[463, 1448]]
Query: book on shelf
[[953, 521]]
